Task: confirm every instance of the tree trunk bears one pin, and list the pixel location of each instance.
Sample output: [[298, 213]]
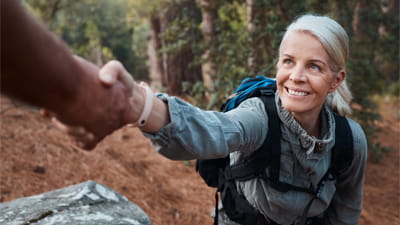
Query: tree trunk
[[156, 67], [209, 16], [193, 73], [259, 41], [364, 22], [177, 65], [389, 31], [167, 59]]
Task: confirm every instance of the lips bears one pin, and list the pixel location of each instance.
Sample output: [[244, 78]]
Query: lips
[[296, 92]]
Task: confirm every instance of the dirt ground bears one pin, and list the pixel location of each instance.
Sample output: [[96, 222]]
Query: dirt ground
[[35, 157]]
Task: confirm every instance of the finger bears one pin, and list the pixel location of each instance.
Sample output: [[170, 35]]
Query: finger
[[77, 132], [110, 71], [127, 79], [46, 114], [79, 135], [78, 58], [59, 125], [86, 141], [107, 78], [87, 146], [89, 142], [114, 70]]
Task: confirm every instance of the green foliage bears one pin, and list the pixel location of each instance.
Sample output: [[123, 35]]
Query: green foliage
[[183, 31], [195, 91], [229, 52], [98, 30], [394, 89]]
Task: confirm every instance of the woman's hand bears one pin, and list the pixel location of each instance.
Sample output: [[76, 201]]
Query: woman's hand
[[143, 103]]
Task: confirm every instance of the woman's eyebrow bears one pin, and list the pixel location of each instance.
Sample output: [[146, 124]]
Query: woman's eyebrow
[[287, 55], [319, 61]]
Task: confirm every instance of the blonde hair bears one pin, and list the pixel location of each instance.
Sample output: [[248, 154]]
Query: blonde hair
[[336, 43]]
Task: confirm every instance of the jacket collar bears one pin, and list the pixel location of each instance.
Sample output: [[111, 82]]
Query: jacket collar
[[309, 143]]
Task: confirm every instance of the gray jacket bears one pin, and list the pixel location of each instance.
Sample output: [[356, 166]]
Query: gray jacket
[[197, 134]]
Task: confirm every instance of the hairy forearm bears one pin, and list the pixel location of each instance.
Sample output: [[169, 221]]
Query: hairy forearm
[[36, 66]]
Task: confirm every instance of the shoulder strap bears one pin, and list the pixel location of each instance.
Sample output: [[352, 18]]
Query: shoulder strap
[[270, 149], [236, 206], [212, 170], [342, 152]]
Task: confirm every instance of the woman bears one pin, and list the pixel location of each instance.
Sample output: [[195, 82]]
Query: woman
[[310, 87]]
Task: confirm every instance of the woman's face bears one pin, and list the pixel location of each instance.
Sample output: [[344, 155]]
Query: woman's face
[[304, 77]]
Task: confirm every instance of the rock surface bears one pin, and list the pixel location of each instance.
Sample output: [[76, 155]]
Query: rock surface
[[87, 203]]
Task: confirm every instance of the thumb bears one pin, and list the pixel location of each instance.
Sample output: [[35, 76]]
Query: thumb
[[114, 70], [46, 113]]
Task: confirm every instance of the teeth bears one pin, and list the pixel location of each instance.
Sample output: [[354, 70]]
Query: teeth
[[299, 93]]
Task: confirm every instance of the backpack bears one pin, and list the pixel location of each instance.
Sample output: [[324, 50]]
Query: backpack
[[219, 174]]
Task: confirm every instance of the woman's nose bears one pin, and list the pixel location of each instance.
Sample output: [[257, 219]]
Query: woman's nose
[[298, 74]]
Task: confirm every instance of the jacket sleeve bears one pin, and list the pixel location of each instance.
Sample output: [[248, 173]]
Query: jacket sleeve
[[198, 134], [346, 205]]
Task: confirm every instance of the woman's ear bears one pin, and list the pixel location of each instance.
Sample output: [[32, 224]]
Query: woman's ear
[[337, 81]]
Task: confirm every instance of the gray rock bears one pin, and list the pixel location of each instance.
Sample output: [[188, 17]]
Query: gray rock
[[87, 203]]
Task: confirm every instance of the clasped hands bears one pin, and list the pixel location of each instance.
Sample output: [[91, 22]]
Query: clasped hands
[[95, 114]]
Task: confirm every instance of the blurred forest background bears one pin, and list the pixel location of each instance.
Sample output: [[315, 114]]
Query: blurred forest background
[[202, 49]]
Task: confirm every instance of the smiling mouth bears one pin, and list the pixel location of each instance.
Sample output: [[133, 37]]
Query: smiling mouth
[[296, 93]]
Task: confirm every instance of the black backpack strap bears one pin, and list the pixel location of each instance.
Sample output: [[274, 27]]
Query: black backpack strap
[[342, 152], [236, 206], [274, 130], [256, 163], [211, 170]]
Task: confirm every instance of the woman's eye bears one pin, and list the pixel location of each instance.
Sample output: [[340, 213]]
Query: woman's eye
[[315, 67], [287, 61]]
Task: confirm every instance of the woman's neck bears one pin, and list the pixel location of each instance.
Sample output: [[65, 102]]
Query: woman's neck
[[310, 123]]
